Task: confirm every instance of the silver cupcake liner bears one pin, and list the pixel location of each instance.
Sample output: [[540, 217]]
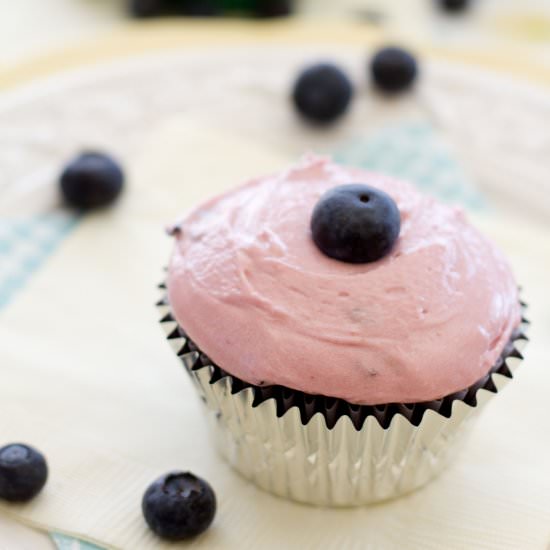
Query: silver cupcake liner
[[325, 451]]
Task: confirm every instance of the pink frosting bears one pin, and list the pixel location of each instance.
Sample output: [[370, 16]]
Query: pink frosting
[[250, 287]]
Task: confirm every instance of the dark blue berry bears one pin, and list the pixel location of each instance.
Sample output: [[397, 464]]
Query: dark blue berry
[[454, 5], [179, 505], [91, 180], [23, 472], [273, 8], [322, 93], [147, 8], [393, 69], [355, 223]]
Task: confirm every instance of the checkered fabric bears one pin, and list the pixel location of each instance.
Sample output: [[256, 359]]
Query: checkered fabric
[[416, 153], [25, 243], [62, 542]]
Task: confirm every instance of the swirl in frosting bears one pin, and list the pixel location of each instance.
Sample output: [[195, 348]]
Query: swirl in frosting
[[249, 286]]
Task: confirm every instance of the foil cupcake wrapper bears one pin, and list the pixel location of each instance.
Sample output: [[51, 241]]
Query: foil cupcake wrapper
[[325, 451]]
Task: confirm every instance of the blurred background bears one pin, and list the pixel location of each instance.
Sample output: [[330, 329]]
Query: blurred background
[[145, 80], [30, 27], [502, 37]]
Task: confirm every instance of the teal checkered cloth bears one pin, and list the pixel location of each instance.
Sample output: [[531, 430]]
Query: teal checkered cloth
[[25, 243], [414, 152]]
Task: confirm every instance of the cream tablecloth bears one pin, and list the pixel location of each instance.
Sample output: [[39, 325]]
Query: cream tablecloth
[[81, 347]]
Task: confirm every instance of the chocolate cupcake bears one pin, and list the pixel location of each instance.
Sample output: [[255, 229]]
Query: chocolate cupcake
[[341, 328]]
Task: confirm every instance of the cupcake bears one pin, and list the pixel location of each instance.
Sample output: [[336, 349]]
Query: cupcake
[[341, 328]]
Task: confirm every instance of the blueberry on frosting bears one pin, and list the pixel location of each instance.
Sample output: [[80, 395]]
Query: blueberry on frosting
[[355, 223]]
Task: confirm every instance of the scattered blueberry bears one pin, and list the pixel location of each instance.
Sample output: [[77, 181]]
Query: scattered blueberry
[[322, 93], [355, 223], [23, 472], [274, 8], [393, 69], [179, 505], [91, 180], [454, 5], [146, 8]]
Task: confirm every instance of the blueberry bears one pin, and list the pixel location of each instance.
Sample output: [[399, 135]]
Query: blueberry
[[454, 5], [91, 180], [146, 8], [273, 8], [322, 93], [355, 223], [179, 505], [23, 472], [393, 69]]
